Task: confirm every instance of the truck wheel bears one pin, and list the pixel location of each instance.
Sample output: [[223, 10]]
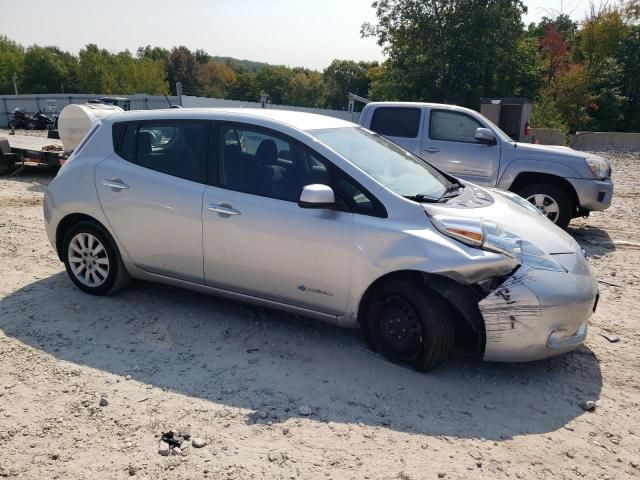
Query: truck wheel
[[93, 261], [550, 200], [407, 324]]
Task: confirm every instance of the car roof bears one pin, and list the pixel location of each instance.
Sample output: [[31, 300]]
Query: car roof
[[295, 119]]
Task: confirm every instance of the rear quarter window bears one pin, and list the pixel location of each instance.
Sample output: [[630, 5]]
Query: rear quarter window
[[396, 121]]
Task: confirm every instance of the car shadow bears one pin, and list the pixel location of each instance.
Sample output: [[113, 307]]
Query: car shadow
[[273, 363], [594, 240]]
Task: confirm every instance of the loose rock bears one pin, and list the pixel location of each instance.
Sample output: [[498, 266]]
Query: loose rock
[[164, 449], [198, 442], [588, 405]]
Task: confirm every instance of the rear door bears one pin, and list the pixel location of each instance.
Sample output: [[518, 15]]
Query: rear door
[[399, 124], [151, 192], [449, 144]]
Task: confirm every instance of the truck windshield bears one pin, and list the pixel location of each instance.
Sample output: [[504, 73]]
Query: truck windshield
[[391, 165]]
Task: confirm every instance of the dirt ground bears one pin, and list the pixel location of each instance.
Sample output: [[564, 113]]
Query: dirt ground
[[277, 397]]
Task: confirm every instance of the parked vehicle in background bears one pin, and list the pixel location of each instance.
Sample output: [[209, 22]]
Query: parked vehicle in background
[[561, 182], [37, 121], [320, 217], [123, 102]]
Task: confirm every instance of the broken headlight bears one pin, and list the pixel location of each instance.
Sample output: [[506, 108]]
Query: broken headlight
[[493, 237]]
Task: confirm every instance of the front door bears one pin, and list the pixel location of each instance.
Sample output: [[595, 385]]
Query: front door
[[151, 193], [257, 240], [449, 144]]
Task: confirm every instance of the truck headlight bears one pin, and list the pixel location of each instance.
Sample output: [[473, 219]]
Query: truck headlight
[[492, 237], [598, 166]]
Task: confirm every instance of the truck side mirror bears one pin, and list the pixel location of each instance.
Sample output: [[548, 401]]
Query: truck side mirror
[[485, 135]]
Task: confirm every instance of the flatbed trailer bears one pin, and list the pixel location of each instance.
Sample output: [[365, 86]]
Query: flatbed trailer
[[27, 149]]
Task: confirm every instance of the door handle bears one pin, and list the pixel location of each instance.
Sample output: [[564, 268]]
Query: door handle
[[431, 150], [223, 209], [115, 183]]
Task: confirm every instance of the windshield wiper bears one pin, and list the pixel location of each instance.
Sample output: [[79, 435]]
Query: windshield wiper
[[421, 198], [448, 191]]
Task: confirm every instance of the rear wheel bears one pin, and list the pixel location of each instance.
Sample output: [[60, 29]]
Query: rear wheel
[[551, 200], [408, 324], [92, 260]]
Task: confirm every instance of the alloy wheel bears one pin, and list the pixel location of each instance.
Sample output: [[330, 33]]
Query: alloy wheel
[[88, 260], [546, 204]]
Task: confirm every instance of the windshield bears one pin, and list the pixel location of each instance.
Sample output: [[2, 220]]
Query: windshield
[[391, 165]]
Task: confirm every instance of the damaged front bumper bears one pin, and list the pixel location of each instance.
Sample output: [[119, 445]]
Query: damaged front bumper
[[536, 314]]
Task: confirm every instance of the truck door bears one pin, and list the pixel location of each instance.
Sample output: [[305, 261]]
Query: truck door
[[401, 125], [449, 144]]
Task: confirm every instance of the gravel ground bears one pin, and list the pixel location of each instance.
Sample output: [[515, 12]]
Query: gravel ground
[[88, 385]]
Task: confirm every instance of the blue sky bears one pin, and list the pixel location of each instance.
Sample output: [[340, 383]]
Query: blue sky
[[290, 32]]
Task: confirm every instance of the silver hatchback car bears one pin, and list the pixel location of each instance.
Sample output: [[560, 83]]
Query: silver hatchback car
[[322, 218]]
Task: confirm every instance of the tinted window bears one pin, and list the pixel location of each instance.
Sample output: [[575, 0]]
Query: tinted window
[[265, 164], [174, 148], [453, 126], [396, 122], [261, 163]]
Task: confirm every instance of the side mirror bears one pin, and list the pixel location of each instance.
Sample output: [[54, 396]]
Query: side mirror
[[485, 135], [317, 196]]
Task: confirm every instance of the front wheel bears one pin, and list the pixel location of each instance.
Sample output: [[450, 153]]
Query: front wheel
[[92, 260], [551, 200], [408, 324]]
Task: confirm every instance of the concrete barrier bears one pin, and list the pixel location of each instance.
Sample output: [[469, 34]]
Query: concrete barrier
[[587, 140], [547, 136]]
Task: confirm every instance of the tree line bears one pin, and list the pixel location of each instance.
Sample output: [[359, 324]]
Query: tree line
[[155, 71], [581, 75]]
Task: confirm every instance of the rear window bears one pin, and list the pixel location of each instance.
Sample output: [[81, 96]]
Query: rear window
[[176, 148], [396, 121]]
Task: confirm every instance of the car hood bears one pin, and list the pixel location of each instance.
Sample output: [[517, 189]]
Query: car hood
[[515, 218]]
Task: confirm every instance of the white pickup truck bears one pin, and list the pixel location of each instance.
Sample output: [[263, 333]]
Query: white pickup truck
[[561, 182]]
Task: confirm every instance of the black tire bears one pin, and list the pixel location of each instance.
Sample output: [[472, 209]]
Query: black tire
[[562, 199], [11, 124], [425, 330], [5, 165], [117, 276]]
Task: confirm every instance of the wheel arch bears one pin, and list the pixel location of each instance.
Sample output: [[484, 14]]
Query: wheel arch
[[529, 178], [68, 222], [461, 300]]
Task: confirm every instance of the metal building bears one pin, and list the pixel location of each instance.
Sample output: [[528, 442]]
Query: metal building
[[513, 114]]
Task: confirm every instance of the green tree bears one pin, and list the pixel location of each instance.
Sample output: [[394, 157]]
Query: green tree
[[449, 51], [346, 76], [274, 80], [306, 89], [95, 74], [48, 69], [11, 63], [245, 87], [183, 67]]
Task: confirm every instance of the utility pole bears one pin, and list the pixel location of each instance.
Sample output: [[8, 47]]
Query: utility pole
[[15, 84]]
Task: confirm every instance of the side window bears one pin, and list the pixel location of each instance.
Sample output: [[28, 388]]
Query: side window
[[357, 199], [174, 148], [261, 163], [396, 121], [453, 126]]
